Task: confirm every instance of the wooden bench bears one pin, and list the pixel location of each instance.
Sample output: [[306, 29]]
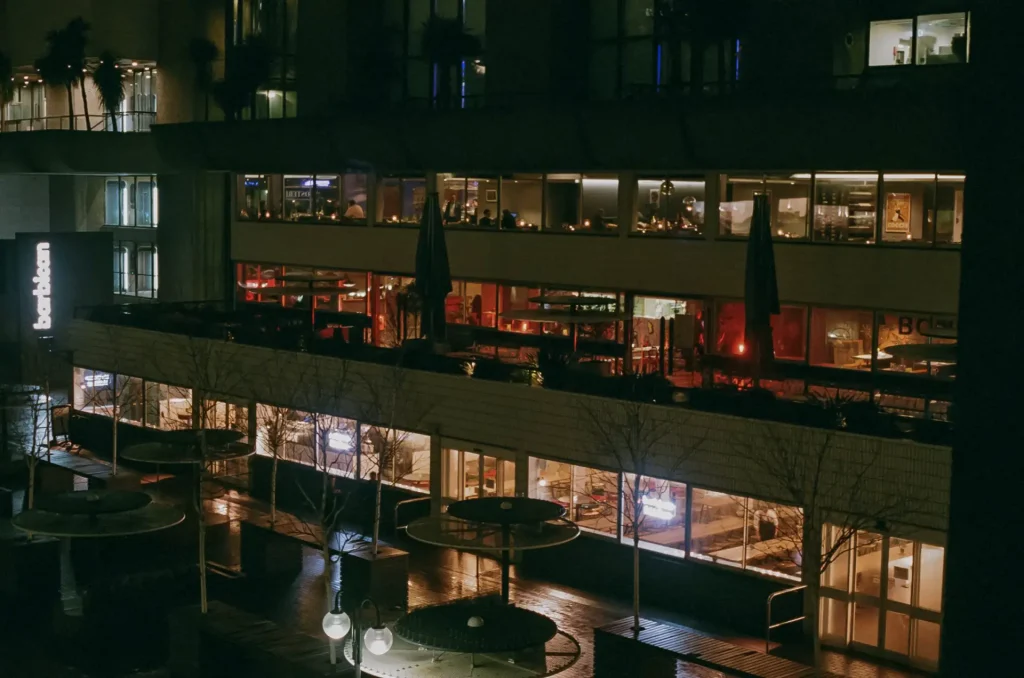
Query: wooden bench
[[229, 639], [655, 652]]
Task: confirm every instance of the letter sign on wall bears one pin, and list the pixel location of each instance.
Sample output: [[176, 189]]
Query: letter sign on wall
[[42, 288]]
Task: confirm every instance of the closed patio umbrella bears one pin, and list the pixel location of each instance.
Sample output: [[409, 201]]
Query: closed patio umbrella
[[761, 289], [433, 275]]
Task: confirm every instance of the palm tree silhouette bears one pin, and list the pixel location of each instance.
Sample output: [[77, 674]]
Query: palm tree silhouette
[[446, 44], [64, 63], [107, 78], [203, 53], [247, 69]]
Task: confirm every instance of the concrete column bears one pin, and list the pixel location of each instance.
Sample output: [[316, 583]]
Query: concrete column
[[712, 198], [194, 261], [522, 474], [436, 473], [371, 197], [982, 593], [627, 203]]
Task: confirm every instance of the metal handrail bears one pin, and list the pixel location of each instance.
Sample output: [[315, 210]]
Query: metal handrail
[[768, 615], [406, 501]]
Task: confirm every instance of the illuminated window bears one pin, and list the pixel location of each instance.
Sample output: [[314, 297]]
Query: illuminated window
[[401, 458], [790, 197], [671, 206]]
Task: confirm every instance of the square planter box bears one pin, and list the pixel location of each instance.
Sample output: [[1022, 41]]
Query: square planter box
[[384, 579], [265, 552]]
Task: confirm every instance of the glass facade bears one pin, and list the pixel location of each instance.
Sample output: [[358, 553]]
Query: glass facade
[[330, 198], [925, 40], [789, 196], [468, 475], [136, 269], [671, 206], [400, 458], [893, 209], [141, 402], [882, 591], [131, 201]]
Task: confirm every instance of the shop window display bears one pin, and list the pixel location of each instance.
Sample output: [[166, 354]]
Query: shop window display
[[718, 527], [285, 433], [949, 209], [662, 517], [590, 496], [667, 336], [472, 303], [789, 331], [671, 206], [220, 414], [522, 203], [909, 209], [841, 338], [468, 475], [789, 195], [168, 407], [400, 200], [907, 331], [464, 199], [845, 207], [402, 458], [926, 40]]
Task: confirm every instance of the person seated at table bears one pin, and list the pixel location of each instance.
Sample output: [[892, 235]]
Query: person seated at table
[[598, 223], [486, 221], [354, 211], [508, 222]]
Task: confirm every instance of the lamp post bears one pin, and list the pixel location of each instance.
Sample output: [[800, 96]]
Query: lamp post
[[337, 623]]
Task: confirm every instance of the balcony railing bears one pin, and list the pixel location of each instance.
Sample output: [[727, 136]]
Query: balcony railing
[[126, 122], [289, 330]]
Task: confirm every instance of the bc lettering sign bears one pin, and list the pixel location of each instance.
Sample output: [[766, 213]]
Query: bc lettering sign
[[909, 324]]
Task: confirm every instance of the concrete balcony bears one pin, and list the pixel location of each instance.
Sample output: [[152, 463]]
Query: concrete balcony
[[865, 276], [716, 451]]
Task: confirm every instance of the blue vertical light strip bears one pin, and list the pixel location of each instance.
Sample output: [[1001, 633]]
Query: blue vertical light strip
[[657, 73], [736, 60], [462, 66]]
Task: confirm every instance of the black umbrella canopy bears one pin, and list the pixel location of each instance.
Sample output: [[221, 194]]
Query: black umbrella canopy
[[761, 288], [433, 275]]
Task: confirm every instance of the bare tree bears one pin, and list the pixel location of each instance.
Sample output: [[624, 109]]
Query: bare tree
[[329, 446], [639, 444], [818, 485], [277, 426], [208, 366], [386, 450]]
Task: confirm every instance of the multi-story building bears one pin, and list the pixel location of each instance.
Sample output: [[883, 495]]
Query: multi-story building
[[609, 148]]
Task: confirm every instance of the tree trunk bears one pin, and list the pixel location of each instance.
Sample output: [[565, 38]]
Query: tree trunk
[[201, 518], [113, 436], [811, 609], [71, 108], [636, 578], [376, 513], [273, 490], [326, 526], [85, 105], [113, 119]]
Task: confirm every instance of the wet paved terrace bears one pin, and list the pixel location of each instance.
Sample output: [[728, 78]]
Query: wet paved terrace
[[439, 575]]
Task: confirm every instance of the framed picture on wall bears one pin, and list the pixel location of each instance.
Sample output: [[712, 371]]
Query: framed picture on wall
[[491, 195], [897, 213]]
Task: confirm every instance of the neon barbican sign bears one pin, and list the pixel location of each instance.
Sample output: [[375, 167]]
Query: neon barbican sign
[[42, 288]]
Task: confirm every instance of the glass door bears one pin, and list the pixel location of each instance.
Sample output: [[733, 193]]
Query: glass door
[[468, 475]]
